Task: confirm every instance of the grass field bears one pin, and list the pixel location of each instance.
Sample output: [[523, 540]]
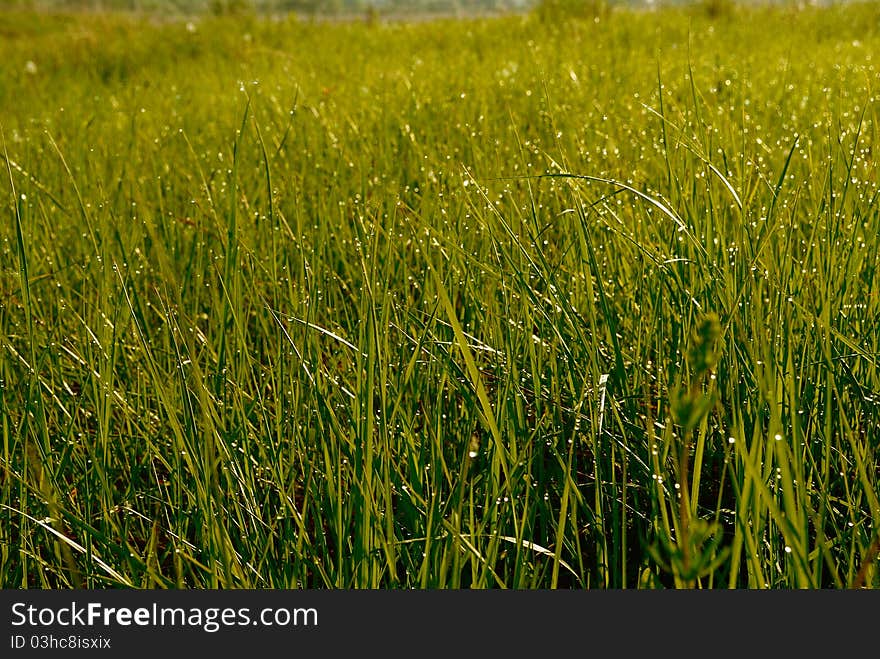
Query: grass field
[[525, 302]]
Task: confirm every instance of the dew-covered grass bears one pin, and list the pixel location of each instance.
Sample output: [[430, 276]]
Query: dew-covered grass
[[524, 302]]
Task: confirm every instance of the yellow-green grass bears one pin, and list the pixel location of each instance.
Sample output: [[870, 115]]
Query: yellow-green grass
[[522, 302]]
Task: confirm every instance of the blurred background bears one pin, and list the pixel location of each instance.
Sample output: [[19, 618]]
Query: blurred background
[[355, 7]]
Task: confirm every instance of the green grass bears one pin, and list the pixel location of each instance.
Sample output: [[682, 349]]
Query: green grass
[[518, 302]]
